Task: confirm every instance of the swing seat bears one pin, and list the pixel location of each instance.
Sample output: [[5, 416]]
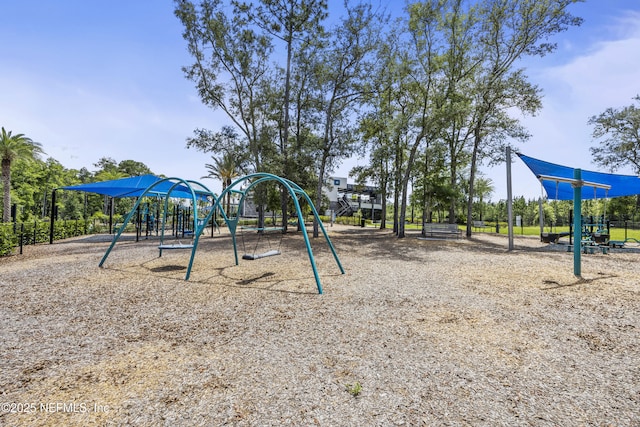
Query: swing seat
[[552, 237], [601, 238], [261, 255], [176, 246], [262, 232], [262, 229]]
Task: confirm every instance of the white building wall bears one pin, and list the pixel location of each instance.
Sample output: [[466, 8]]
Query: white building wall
[[332, 184]]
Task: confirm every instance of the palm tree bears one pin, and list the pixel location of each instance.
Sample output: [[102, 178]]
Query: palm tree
[[12, 148], [483, 189], [225, 169]]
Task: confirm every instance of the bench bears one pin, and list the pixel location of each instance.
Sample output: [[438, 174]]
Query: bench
[[616, 243], [437, 229], [590, 248], [479, 224]]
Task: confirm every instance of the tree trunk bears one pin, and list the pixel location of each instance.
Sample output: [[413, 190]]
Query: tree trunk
[[284, 205], [426, 197], [323, 165], [285, 131], [6, 190], [426, 200], [452, 201], [472, 177], [384, 173], [405, 186], [396, 187]]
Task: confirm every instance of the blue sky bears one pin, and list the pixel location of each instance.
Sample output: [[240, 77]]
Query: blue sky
[[96, 78]]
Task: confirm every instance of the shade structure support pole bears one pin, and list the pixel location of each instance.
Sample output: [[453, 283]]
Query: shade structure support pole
[[577, 221], [509, 200], [53, 217]]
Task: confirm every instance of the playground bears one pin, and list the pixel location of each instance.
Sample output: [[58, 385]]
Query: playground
[[416, 332]]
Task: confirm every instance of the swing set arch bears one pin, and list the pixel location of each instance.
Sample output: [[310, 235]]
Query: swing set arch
[[296, 192], [184, 187], [187, 186]]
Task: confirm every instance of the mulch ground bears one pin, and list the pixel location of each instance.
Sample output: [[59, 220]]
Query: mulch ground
[[416, 332]]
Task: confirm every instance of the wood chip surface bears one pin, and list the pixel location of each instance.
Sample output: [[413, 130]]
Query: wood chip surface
[[417, 332]]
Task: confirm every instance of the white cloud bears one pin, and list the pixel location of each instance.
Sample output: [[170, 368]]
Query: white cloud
[[606, 75]]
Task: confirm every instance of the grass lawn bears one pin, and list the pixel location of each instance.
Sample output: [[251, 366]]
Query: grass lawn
[[616, 233]]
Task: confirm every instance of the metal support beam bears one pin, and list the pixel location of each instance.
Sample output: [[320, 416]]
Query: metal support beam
[[577, 221], [509, 200], [53, 216]]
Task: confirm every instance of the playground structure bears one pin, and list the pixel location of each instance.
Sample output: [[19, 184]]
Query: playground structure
[[594, 230], [178, 188], [261, 235], [576, 184], [195, 191], [551, 237]]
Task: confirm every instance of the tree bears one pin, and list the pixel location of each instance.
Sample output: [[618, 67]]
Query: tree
[[133, 168], [295, 23], [431, 182], [225, 169], [459, 32], [385, 129], [618, 132], [341, 72], [484, 188], [424, 98], [106, 164], [108, 171], [379, 169], [26, 188], [230, 70], [509, 31], [109, 175], [12, 148], [33, 182]]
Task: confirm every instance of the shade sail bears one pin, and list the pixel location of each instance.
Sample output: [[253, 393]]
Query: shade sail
[[620, 185], [131, 187]]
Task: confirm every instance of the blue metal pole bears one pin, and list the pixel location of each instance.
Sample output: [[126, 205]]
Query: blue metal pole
[[324, 232], [577, 221]]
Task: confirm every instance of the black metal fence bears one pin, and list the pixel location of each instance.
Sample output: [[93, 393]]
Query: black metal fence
[[15, 235]]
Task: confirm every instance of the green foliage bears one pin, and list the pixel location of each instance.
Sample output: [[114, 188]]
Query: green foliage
[[8, 239], [37, 231], [354, 389], [72, 209], [14, 148], [228, 46], [33, 182], [133, 168], [617, 131]]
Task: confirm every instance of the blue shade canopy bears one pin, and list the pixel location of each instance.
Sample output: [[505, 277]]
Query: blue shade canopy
[[131, 187], [620, 185]]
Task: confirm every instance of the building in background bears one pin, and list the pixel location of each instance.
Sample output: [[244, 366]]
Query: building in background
[[347, 199]]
